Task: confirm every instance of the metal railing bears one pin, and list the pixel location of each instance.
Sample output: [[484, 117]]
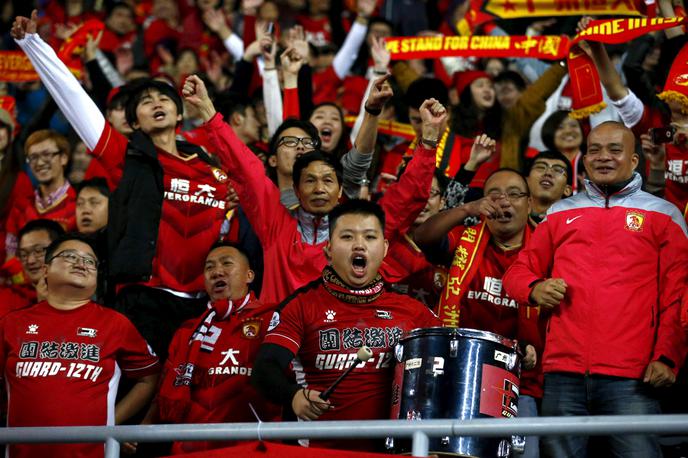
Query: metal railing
[[419, 431]]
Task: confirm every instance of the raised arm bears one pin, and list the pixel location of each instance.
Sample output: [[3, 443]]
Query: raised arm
[[81, 112], [405, 199], [259, 196], [346, 56], [630, 108], [357, 160]]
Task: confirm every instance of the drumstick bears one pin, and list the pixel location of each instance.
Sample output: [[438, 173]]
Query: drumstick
[[363, 354]]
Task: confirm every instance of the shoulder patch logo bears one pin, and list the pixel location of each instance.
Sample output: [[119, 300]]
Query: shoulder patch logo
[[251, 328], [219, 175], [274, 321], [634, 221]]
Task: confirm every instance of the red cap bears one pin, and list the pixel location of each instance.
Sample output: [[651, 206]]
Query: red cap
[[461, 80], [676, 86]]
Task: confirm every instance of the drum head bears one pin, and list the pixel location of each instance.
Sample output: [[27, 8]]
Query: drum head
[[465, 333]]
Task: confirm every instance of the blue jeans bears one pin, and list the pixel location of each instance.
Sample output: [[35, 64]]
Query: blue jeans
[[578, 394], [527, 407]]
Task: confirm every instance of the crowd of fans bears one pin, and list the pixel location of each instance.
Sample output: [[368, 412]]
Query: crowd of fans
[[229, 199]]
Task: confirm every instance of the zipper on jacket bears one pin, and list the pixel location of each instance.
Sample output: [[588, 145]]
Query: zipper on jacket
[[316, 224]]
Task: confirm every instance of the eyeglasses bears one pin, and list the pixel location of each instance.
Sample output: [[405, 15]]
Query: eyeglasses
[[556, 169], [71, 257], [511, 196], [292, 142], [45, 156], [37, 251]]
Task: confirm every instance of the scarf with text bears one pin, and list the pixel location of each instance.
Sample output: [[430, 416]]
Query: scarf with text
[[336, 286], [174, 398]]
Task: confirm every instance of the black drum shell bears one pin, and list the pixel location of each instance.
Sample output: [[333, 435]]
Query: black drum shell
[[455, 373]]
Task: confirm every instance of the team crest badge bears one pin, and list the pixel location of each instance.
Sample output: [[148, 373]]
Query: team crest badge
[[251, 329], [634, 221], [219, 175]]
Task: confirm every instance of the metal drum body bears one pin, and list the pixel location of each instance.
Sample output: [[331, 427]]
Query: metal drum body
[[456, 373]]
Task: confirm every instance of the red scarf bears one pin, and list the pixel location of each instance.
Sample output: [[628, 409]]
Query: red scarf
[[467, 256], [174, 398]]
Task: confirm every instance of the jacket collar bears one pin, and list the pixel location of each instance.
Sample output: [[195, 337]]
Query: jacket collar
[[596, 193], [313, 229]]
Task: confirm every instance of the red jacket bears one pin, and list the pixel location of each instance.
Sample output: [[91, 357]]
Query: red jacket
[[292, 256], [625, 261]]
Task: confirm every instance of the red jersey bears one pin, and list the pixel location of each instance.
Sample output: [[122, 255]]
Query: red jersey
[[676, 176], [62, 210], [220, 389], [318, 31], [62, 367], [193, 209], [325, 333], [486, 305], [16, 297], [414, 275]]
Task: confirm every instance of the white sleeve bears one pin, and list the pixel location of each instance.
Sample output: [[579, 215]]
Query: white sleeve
[[81, 112], [273, 100], [630, 108], [361, 112], [235, 46], [347, 54]]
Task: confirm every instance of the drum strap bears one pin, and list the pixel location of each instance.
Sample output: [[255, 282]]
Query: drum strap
[[467, 257]]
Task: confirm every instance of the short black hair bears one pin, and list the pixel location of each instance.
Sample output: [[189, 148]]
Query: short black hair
[[314, 156], [550, 126], [508, 169], [117, 5], [229, 103], [98, 183], [356, 207], [512, 76], [224, 244], [143, 86], [53, 228], [306, 126], [554, 155], [442, 181], [426, 88], [55, 244]]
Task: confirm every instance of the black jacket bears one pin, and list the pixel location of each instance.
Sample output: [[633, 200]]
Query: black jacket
[[135, 210]]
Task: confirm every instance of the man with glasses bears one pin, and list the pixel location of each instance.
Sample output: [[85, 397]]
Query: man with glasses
[[610, 263], [549, 181], [47, 154], [478, 256], [293, 242], [171, 196], [62, 358], [34, 239]]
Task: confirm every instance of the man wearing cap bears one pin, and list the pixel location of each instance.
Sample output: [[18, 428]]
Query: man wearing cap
[[611, 265]]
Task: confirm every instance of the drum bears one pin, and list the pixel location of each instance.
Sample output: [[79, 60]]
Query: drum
[[460, 374]]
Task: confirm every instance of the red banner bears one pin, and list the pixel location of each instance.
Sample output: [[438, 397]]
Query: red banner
[[542, 47], [482, 11], [15, 67]]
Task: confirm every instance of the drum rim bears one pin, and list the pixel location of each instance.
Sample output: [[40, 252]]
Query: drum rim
[[461, 332]]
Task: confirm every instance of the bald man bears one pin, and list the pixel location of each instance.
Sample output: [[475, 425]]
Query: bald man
[[609, 263]]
